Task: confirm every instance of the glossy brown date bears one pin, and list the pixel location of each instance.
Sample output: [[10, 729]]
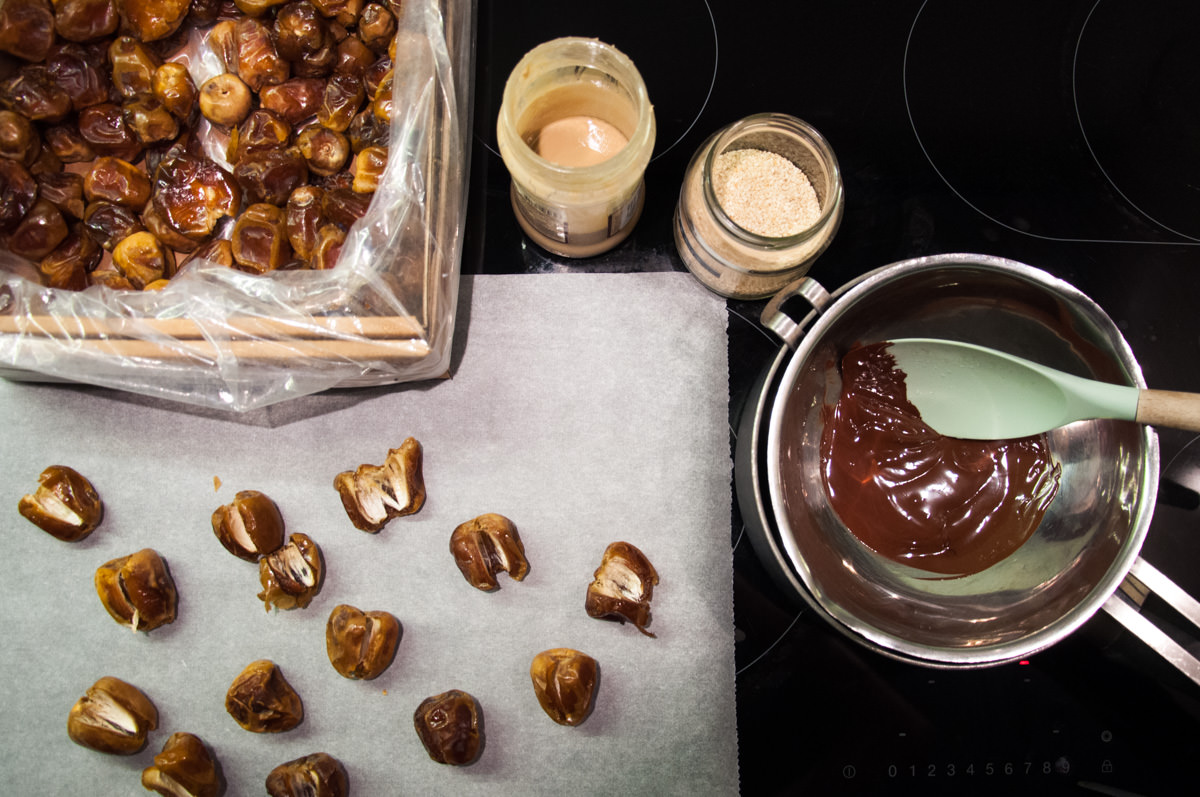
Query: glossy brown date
[[261, 130], [353, 57], [270, 175], [117, 181], [18, 191], [218, 251], [259, 241], [151, 20], [261, 700], [485, 546], [343, 206], [374, 494], [174, 88], [112, 717], [79, 71], [85, 20], [190, 195], [325, 151], [26, 28], [328, 248], [109, 224], [68, 144], [565, 681], [315, 775], [369, 166], [137, 590], [65, 191], [69, 265], [149, 120], [345, 12], [292, 575], [104, 129], [361, 645], [133, 67], [225, 99], [65, 504], [258, 62], [622, 587], [293, 100], [377, 27], [184, 768], [302, 217], [19, 139], [344, 95], [142, 259], [300, 30], [33, 93], [250, 526], [448, 725], [40, 232]]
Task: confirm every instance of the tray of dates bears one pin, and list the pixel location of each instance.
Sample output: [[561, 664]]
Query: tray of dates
[[231, 203]]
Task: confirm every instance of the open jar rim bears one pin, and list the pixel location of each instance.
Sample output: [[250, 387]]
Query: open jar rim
[[606, 59], [719, 143]]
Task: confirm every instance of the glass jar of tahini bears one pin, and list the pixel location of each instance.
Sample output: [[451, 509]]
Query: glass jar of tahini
[[576, 130], [761, 200]]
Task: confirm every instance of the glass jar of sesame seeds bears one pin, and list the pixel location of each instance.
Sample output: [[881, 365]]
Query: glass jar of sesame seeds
[[761, 200]]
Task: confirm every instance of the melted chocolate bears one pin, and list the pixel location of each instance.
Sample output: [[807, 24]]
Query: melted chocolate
[[941, 504]]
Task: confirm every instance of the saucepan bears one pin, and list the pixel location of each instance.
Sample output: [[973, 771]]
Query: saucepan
[[1085, 555]]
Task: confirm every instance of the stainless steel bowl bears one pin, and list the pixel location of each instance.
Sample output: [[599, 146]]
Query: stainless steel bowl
[[1086, 544]]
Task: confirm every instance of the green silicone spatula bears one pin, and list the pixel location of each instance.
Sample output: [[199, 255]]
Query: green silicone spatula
[[973, 392]]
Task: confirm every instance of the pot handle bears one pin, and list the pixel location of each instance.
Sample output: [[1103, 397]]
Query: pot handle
[[774, 319], [1144, 577]]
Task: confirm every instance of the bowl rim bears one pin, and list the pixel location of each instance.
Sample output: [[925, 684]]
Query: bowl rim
[[857, 628]]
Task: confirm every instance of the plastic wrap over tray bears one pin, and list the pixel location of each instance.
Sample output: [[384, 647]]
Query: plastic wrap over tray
[[222, 338]]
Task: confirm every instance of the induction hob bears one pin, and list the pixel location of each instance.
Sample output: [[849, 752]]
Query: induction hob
[[1062, 135]]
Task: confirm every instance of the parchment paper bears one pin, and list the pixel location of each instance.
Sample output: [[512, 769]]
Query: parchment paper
[[586, 408]]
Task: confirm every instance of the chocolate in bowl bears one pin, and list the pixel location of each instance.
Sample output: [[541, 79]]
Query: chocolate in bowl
[[1086, 543]]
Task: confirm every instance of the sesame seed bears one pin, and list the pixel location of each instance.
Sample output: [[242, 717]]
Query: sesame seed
[[764, 193]]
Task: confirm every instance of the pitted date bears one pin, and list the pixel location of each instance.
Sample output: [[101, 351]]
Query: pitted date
[[291, 576], [487, 545], [65, 504], [112, 717], [622, 587], [137, 590], [315, 775], [448, 725], [250, 526], [361, 645], [184, 768], [374, 494], [261, 700], [565, 681]]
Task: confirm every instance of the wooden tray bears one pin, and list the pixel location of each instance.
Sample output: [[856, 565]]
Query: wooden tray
[[390, 342]]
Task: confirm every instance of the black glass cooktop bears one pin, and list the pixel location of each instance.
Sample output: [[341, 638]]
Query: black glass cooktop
[[1064, 135]]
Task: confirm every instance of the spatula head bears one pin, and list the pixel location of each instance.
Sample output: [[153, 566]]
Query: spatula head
[[973, 392]]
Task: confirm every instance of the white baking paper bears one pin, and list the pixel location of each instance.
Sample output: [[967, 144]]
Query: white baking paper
[[587, 408]]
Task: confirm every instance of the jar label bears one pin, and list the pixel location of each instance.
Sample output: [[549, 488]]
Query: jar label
[[578, 226]]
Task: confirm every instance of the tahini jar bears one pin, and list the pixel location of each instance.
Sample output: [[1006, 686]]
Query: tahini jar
[[576, 130], [735, 261]]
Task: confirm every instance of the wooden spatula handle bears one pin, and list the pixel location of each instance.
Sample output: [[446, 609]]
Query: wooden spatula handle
[[1169, 408]]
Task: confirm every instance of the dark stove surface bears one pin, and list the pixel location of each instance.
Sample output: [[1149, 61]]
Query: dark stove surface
[[1063, 135]]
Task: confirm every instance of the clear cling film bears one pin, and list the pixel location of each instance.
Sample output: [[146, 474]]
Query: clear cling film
[[224, 338]]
